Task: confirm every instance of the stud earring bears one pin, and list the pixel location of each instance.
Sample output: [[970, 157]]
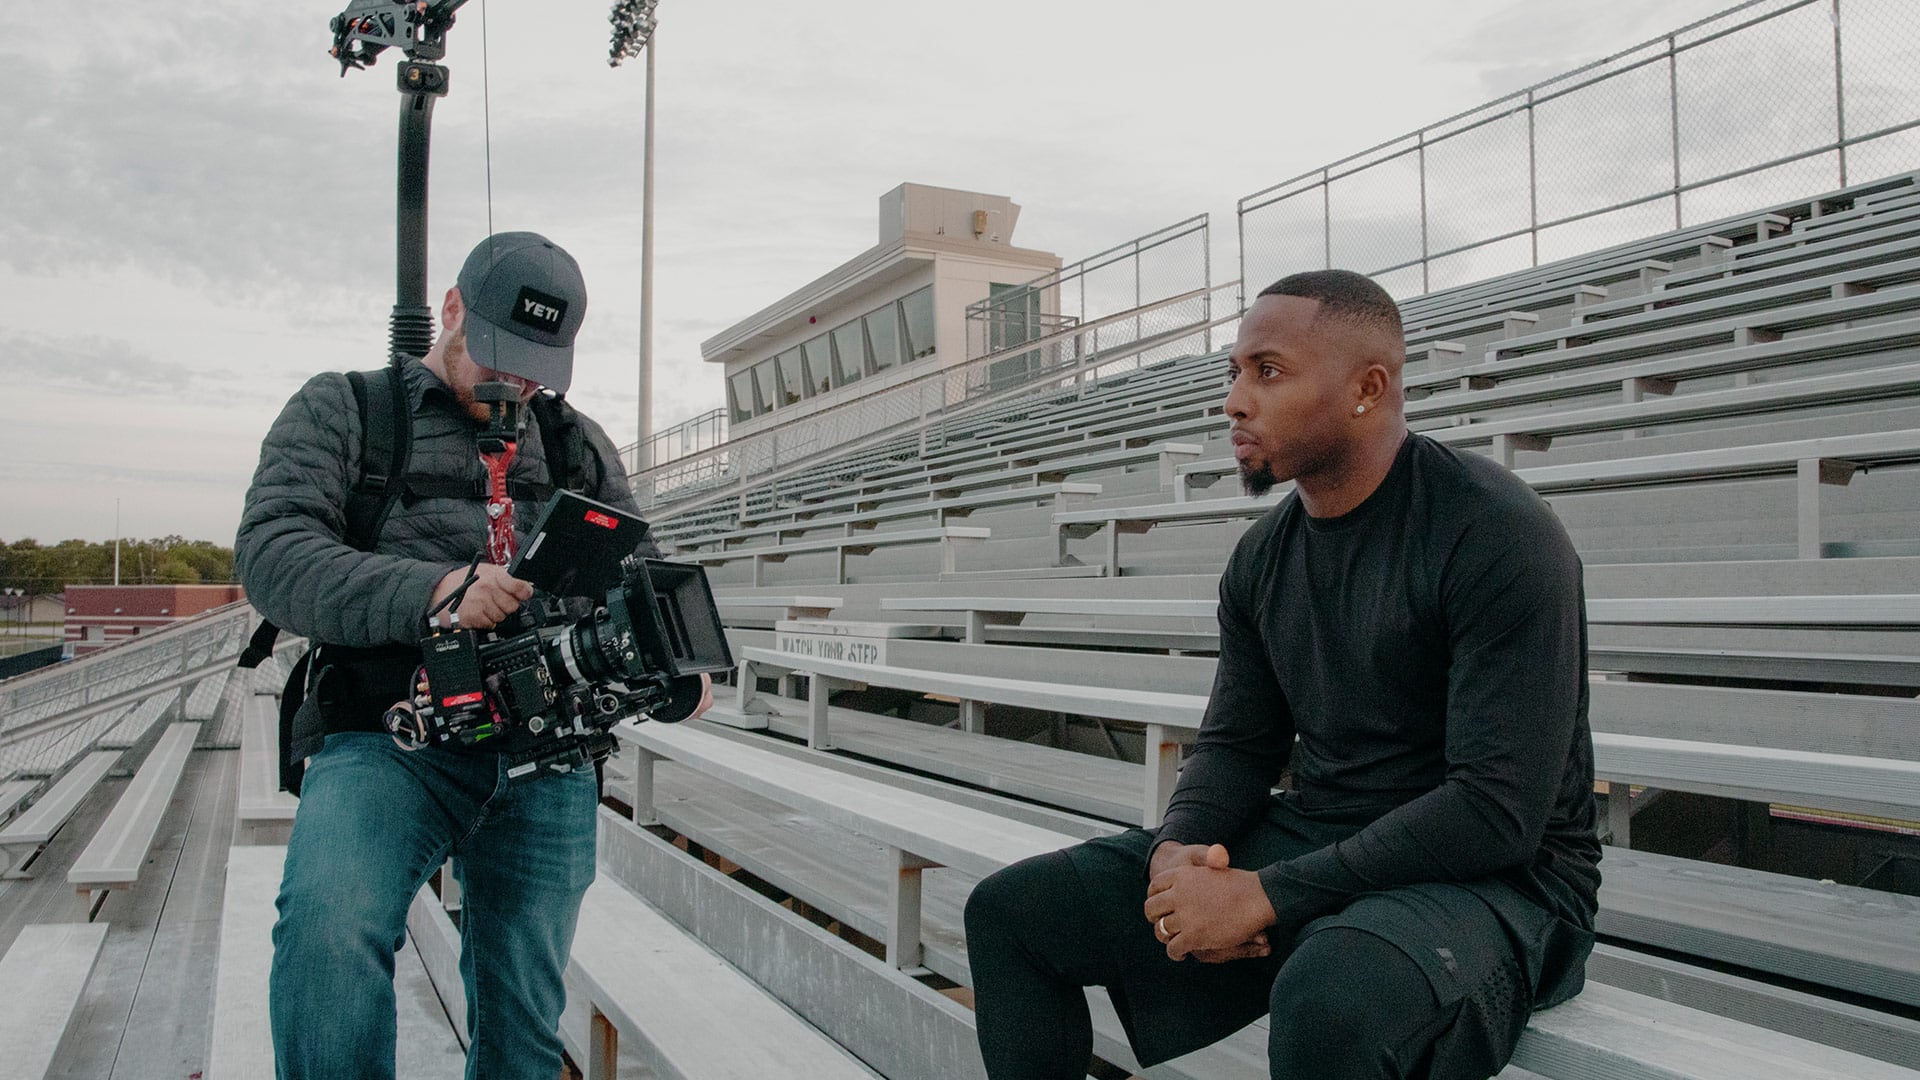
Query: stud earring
[[1358, 409]]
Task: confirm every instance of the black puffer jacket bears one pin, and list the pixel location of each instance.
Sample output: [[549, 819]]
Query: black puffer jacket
[[290, 555]]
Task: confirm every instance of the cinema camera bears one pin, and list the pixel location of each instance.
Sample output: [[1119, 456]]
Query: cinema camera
[[551, 683]]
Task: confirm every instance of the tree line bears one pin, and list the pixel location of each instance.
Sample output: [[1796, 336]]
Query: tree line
[[44, 569]]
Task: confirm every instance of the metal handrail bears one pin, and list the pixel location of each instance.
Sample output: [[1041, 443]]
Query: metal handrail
[[1417, 151]]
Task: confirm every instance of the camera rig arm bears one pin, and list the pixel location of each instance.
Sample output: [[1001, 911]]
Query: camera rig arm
[[369, 27]]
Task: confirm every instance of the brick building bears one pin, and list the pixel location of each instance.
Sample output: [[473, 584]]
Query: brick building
[[102, 615]]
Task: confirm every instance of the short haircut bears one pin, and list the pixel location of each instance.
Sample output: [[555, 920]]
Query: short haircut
[[1343, 295]]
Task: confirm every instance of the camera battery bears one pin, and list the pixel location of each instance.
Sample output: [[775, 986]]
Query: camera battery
[[452, 662]]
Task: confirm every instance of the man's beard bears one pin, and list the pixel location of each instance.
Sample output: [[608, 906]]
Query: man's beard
[[1257, 480]]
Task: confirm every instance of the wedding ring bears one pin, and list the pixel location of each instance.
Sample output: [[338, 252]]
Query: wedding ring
[[1162, 924]]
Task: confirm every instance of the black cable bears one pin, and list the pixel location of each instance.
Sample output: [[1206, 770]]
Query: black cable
[[453, 598]]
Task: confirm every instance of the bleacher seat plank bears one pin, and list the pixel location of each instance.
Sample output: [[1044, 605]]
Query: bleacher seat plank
[[864, 543], [1847, 782], [794, 606], [1874, 1033], [972, 841], [1859, 669], [1874, 726], [1629, 338], [242, 1042], [262, 812], [1828, 612], [13, 793], [26, 833], [1583, 1038], [1168, 717], [1819, 268], [1104, 787], [1702, 322], [136, 721], [1839, 936], [1816, 463], [1537, 432], [1491, 392], [691, 1015], [1060, 496], [44, 974], [984, 611], [112, 860]]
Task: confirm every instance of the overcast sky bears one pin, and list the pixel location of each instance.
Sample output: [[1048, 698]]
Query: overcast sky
[[196, 211]]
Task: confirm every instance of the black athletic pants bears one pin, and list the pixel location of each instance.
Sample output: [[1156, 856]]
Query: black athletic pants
[[1428, 981]]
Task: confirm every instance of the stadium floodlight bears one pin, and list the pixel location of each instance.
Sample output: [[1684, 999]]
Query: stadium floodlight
[[633, 24]]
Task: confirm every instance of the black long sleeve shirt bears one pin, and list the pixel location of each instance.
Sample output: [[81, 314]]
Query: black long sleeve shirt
[[1428, 650]]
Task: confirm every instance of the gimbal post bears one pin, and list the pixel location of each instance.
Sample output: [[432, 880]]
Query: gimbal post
[[410, 328]]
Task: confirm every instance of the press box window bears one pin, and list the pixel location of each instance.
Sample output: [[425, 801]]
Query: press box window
[[916, 310], [740, 403], [819, 359], [763, 386], [883, 336], [849, 352], [794, 383]]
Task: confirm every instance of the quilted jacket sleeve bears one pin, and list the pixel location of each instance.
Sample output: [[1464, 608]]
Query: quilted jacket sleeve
[[290, 555]]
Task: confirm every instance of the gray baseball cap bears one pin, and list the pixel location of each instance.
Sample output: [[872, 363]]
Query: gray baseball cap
[[525, 300]]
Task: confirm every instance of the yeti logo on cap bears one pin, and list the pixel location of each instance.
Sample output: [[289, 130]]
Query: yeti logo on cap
[[540, 311]]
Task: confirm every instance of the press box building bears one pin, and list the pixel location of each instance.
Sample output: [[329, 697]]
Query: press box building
[[884, 317]]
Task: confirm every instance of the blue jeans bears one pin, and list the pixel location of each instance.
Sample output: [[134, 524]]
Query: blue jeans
[[374, 822]]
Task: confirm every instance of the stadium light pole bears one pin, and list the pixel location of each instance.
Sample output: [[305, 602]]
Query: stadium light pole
[[634, 23]]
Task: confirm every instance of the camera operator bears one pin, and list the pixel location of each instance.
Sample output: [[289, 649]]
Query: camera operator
[[377, 816]]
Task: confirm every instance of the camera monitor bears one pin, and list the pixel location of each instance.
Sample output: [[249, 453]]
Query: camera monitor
[[576, 546]]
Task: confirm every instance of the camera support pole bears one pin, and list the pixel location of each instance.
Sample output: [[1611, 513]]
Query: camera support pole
[[419, 29], [410, 328]]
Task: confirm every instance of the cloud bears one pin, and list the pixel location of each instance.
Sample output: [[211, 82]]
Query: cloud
[[97, 365]]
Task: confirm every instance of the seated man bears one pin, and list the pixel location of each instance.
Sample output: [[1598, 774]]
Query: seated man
[[1412, 614]]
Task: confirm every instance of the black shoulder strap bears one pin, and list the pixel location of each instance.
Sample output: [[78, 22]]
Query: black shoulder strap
[[567, 449], [386, 442]]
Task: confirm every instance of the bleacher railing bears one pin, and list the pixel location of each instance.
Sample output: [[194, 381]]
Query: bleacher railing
[[48, 715], [684, 439], [1125, 277], [1768, 101], [1168, 267]]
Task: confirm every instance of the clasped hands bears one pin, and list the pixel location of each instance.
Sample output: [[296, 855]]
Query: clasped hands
[[1201, 907]]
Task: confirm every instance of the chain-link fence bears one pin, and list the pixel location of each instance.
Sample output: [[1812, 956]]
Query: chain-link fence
[[1138, 303], [1767, 102], [49, 716]]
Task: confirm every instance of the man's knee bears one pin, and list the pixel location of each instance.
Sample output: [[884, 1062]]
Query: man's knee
[[1040, 909], [1345, 1005], [1010, 899], [339, 910]]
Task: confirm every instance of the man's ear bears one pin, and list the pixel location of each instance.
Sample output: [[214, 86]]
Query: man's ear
[[1375, 384], [453, 311]]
